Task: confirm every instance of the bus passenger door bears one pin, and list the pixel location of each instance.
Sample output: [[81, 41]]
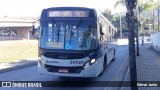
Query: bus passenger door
[[103, 43]]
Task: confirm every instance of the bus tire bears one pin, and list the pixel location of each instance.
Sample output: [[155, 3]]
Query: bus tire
[[114, 53], [104, 65]]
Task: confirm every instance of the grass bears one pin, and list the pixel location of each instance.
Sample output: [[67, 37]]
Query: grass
[[12, 51]]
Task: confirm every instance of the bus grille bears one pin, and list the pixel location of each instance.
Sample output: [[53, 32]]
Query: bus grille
[[64, 55], [70, 69]]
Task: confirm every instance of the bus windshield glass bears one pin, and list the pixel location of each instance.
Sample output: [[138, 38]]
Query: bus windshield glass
[[68, 35]]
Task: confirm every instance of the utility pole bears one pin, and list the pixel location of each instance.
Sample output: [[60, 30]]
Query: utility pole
[[152, 19], [158, 15], [131, 18], [153, 22], [120, 26]]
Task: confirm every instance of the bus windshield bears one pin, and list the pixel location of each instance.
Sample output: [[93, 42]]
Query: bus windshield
[[68, 35]]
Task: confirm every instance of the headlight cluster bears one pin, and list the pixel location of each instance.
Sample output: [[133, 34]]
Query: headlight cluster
[[89, 63], [93, 58]]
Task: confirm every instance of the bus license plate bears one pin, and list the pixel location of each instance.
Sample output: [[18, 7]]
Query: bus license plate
[[63, 70]]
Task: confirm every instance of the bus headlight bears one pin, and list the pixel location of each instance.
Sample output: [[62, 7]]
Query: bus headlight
[[89, 63], [93, 61], [41, 61]]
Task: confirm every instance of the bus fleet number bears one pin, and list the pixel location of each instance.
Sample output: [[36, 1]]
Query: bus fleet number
[[76, 62]]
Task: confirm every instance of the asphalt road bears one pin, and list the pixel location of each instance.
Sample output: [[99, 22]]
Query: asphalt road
[[31, 74]]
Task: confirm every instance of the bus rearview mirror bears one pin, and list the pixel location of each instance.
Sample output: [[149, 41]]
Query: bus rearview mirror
[[35, 32]]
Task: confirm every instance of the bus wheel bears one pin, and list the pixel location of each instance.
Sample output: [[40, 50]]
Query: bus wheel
[[104, 65], [114, 53]]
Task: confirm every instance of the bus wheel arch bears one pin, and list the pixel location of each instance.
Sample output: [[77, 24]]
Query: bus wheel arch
[[114, 53], [104, 65]]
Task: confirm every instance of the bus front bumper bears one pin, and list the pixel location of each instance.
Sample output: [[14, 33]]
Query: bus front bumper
[[92, 71]]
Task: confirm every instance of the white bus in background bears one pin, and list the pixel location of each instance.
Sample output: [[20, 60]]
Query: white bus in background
[[75, 42]]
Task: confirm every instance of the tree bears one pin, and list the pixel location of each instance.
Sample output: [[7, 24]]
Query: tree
[[130, 18], [107, 13], [116, 23], [142, 6], [151, 15]]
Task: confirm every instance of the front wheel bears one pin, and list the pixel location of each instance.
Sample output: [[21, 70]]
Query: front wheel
[[114, 53], [104, 65]]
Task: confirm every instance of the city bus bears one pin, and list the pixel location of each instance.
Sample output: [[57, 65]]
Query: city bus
[[75, 42]]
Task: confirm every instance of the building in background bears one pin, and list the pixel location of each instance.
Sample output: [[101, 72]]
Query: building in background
[[16, 28]]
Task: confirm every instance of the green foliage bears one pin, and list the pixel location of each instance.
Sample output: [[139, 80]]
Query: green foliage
[[115, 19], [146, 6], [107, 13], [143, 6]]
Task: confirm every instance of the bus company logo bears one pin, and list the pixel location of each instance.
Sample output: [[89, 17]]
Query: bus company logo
[[6, 84], [47, 61]]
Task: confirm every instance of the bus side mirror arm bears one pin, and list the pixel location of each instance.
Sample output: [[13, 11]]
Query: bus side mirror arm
[[35, 33]]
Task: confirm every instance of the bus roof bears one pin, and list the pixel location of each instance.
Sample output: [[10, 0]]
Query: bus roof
[[69, 12], [69, 8]]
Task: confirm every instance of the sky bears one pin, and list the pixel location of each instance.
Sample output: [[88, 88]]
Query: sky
[[33, 8]]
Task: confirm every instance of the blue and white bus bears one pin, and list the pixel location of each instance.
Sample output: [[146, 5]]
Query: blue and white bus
[[75, 42]]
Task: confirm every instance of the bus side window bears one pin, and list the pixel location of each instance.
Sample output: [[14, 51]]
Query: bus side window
[[101, 33]]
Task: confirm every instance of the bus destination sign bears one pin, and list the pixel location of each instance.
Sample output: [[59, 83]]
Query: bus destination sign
[[73, 13]]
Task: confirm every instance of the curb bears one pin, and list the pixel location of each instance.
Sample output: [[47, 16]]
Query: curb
[[121, 75], [125, 79], [20, 66]]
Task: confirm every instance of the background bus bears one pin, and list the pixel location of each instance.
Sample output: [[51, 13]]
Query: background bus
[[75, 41]]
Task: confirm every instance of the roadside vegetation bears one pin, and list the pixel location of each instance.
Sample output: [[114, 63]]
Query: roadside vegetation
[[147, 12], [17, 50]]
